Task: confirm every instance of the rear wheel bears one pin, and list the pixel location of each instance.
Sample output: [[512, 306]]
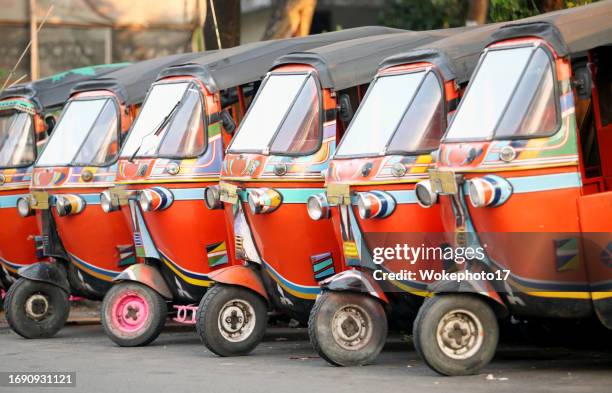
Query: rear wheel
[[133, 314], [347, 329], [456, 334], [36, 309], [231, 320]]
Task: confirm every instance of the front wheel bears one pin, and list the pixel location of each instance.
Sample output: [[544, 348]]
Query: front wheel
[[36, 309], [133, 314], [347, 329], [456, 334], [231, 320]]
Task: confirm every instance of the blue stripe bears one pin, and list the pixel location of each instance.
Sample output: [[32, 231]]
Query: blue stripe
[[107, 273], [545, 182], [188, 194], [298, 288], [10, 200], [322, 265], [326, 272]]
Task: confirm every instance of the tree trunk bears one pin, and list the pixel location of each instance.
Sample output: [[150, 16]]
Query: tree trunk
[[549, 5], [228, 23], [477, 12], [290, 18]]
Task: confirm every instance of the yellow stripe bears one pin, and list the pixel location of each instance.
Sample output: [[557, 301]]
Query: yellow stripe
[[192, 281], [601, 295], [91, 272]]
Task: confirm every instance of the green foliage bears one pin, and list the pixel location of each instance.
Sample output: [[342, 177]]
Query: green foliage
[[424, 14], [436, 14]]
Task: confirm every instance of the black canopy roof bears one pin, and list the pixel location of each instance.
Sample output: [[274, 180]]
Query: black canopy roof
[[131, 83], [55, 90], [355, 62], [569, 31], [231, 67], [456, 56]]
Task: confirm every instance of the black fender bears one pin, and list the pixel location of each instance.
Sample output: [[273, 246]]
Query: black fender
[[48, 272], [482, 289], [147, 275], [355, 281]]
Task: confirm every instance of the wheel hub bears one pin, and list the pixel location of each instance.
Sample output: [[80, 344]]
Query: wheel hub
[[460, 334], [236, 320], [130, 312], [37, 307], [351, 327]]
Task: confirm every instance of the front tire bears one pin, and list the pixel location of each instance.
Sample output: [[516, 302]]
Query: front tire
[[133, 314], [456, 334], [36, 309], [231, 320], [347, 329]]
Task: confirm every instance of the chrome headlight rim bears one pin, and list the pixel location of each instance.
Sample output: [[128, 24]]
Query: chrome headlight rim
[[422, 189], [364, 206], [212, 197], [317, 207], [253, 201], [106, 202], [145, 200], [68, 204], [476, 193], [23, 206]]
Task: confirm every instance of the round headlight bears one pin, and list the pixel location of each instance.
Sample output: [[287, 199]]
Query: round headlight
[[263, 200], [375, 204], [146, 200], [69, 204], [106, 202], [425, 195], [317, 206], [363, 205], [23, 207], [212, 198], [476, 193]]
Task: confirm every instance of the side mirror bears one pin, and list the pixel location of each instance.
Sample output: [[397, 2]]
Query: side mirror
[[228, 122], [583, 82], [346, 110], [50, 123]]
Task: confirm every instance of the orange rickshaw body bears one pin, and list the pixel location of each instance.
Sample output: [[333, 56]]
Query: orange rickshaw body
[[551, 229], [98, 245]]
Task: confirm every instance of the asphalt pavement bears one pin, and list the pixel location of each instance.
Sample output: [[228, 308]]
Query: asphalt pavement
[[284, 362]]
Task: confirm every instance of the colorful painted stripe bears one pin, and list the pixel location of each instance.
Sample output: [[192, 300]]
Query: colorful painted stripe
[[95, 271], [7, 201], [297, 290]]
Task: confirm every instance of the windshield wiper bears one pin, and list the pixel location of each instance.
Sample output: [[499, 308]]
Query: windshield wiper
[[157, 129]]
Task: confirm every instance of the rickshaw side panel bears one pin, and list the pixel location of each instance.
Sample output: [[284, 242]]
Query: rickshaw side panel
[[596, 223]]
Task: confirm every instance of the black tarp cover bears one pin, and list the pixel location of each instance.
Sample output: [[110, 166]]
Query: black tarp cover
[[569, 31], [456, 56], [132, 82], [247, 63], [355, 62], [54, 90]]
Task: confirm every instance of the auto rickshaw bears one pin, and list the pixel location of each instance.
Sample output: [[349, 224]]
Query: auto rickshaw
[[524, 174], [273, 165], [370, 196], [175, 150], [86, 247], [27, 116]]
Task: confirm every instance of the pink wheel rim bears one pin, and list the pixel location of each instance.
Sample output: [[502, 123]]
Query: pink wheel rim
[[129, 312]]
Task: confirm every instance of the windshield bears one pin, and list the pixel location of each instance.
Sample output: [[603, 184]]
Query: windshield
[[284, 118], [170, 124], [511, 95], [86, 134], [401, 113], [16, 139]]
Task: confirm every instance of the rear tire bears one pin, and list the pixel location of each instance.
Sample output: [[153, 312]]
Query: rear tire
[[456, 334], [133, 314], [231, 320], [347, 329], [36, 309]]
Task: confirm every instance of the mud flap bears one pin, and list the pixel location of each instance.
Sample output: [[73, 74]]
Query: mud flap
[[479, 288], [50, 273], [240, 275], [147, 275], [354, 281]]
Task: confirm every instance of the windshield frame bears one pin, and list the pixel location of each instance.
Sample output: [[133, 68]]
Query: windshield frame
[[169, 81], [105, 97], [425, 70], [537, 44], [266, 151], [33, 132]]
